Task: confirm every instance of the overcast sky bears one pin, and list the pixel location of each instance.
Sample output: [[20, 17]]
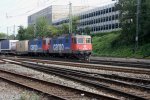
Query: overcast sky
[[15, 12]]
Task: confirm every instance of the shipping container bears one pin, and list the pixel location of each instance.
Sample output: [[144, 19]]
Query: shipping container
[[22, 47], [8, 45]]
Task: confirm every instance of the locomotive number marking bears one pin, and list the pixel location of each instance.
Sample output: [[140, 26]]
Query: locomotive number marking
[[58, 47]]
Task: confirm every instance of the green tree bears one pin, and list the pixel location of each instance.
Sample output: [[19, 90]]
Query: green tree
[[21, 33], [3, 36], [51, 30], [41, 27], [75, 22], [128, 10], [30, 32], [87, 30], [64, 29]]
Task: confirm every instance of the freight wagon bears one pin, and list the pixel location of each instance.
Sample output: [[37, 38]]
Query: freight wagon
[[22, 47], [8, 46]]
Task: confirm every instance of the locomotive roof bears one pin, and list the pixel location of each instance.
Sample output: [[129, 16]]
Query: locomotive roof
[[87, 36]]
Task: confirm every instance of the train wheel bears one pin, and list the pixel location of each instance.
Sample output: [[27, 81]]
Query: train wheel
[[87, 58]]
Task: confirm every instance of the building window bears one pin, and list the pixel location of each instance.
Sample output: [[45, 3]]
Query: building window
[[101, 12], [116, 16], [113, 26], [113, 17], [109, 18], [99, 20], [104, 11], [109, 9], [113, 9], [106, 18], [96, 13], [106, 27], [116, 25], [109, 26], [101, 27]]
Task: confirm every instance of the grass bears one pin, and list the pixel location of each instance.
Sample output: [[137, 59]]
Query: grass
[[102, 47]]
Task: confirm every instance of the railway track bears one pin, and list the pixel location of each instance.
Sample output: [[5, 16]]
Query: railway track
[[137, 89], [56, 91], [92, 66]]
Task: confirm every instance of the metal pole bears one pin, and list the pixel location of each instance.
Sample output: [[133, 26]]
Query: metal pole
[[70, 18], [137, 24], [35, 30], [14, 31], [7, 32]]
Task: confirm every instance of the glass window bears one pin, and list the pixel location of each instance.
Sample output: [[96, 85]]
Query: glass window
[[104, 11], [116, 25], [80, 40], [113, 26], [106, 27], [116, 16], [109, 26], [88, 40], [113, 9], [109, 9], [106, 19], [113, 17], [109, 18]]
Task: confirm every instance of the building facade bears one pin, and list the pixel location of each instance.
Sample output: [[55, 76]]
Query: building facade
[[100, 19], [52, 13]]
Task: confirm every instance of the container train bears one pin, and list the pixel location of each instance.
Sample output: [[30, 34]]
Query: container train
[[77, 46]]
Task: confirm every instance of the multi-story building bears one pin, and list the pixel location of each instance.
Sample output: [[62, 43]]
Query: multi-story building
[[52, 13], [100, 19]]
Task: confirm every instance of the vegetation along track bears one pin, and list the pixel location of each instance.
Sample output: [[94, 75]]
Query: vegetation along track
[[56, 91], [133, 88], [91, 66]]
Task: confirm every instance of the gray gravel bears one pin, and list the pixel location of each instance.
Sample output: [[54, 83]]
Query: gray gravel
[[11, 92], [142, 76], [49, 78]]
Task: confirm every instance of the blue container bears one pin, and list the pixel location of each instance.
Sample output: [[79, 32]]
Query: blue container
[[5, 45], [8, 45]]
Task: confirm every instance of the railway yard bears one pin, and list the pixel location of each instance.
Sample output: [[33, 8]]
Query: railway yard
[[37, 78]]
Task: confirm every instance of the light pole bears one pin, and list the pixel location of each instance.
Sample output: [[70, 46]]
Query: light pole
[[70, 18], [137, 24]]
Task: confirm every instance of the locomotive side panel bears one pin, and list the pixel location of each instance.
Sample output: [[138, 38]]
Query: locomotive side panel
[[61, 45], [35, 46]]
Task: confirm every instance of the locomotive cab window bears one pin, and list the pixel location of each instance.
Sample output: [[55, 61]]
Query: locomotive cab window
[[88, 40], [80, 40]]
